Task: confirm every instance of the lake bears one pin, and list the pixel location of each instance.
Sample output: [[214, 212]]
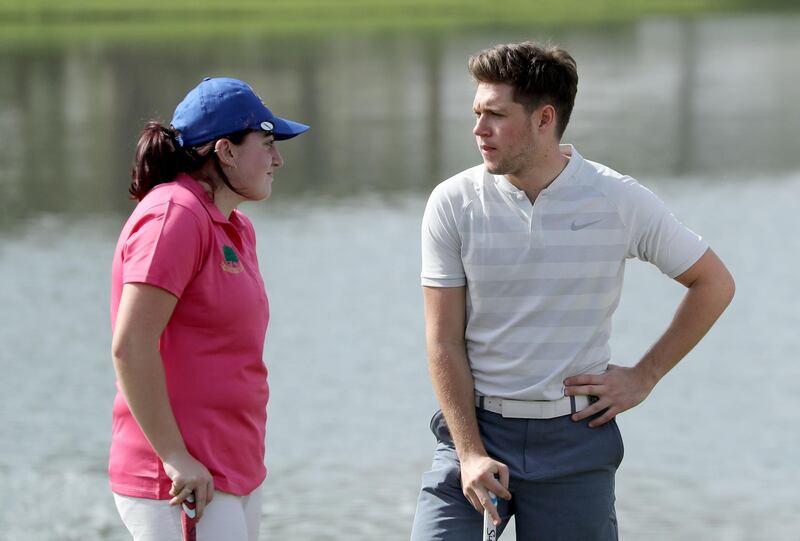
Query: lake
[[702, 111]]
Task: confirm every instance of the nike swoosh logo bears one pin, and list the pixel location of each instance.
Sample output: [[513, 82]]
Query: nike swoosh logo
[[576, 227]]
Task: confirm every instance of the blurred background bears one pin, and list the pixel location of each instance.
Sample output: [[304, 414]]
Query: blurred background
[[696, 99]]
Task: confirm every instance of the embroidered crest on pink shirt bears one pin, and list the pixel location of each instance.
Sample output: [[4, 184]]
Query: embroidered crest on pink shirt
[[231, 263]]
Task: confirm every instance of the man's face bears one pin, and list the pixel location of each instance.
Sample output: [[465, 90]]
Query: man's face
[[503, 129]]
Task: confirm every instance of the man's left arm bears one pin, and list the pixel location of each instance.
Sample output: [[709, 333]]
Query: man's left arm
[[710, 290]]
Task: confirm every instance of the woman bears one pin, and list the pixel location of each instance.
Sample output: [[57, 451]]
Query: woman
[[189, 314]]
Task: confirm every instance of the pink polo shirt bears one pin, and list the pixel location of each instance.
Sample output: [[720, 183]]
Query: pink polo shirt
[[178, 240]]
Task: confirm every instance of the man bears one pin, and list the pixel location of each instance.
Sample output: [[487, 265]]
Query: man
[[522, 265]]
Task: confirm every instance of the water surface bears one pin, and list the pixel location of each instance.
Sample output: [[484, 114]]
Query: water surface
[[701, 111]]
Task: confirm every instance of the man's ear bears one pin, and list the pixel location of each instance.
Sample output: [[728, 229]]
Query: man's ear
[[546, 117], [226, 153]]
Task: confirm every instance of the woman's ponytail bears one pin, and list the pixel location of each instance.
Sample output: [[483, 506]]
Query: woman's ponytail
[[158, 159]]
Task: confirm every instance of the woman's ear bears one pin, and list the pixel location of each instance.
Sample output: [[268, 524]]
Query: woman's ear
[[226, 152]]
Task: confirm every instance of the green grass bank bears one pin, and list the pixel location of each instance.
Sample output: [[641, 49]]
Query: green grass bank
[[52, 21]]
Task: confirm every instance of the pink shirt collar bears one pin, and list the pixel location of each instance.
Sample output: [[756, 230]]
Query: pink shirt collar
[[188, 182]]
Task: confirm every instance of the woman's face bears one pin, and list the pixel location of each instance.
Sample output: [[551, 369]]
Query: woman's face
[[255, 160]]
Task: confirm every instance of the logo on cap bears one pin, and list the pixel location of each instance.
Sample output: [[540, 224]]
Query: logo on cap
[[267, 126]]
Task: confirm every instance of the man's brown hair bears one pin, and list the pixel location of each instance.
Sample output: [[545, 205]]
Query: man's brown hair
[[539, 73]]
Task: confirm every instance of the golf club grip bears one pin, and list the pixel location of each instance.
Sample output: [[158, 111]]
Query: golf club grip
[[489, 529], [189, 519], [189, 530]]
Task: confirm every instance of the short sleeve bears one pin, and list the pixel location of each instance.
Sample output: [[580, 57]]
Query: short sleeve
[[164, 249], [441, 243], [657, 236]]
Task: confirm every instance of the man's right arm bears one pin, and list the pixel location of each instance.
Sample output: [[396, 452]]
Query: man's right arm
[[445, 314]]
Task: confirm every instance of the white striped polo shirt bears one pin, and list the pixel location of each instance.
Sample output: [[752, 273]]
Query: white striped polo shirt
[[544, 279]]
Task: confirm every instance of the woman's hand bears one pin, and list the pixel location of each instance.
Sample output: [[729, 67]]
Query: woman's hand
[[189, 476]]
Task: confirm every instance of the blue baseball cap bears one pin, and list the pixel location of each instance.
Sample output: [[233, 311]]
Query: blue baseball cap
[[219, 106]]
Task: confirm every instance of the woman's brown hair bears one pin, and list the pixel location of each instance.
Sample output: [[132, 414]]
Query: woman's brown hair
[[160, 159]]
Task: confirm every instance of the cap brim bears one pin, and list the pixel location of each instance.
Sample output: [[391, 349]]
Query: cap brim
[[286, 129]]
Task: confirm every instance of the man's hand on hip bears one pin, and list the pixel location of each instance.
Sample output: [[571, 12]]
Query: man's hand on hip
[[618, 389], [481, 475]]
